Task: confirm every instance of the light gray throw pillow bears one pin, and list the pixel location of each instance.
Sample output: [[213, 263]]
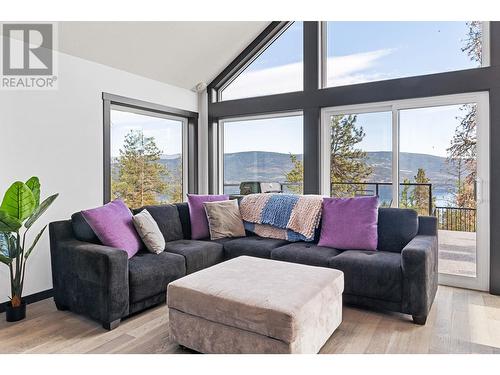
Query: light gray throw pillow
[[224, 219], [149, 232]]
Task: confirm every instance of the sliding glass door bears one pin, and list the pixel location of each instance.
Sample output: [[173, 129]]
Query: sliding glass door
[[437, 149]]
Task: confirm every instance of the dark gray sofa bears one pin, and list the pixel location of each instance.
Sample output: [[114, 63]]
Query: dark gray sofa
[[100, 282]]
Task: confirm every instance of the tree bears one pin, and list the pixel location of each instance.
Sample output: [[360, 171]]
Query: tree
[[464, 143], [462, 153], [175, 192], [141, 177], [463, 193], [407, 199], [295, 175], [421, 193], [473, 42], [347, 163]]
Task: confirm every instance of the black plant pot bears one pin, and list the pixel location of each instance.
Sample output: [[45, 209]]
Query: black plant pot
[[15, 314]]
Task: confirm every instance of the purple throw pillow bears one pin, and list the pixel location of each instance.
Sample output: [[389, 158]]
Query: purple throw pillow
[[113, 225], [350, 223], [198, 216]]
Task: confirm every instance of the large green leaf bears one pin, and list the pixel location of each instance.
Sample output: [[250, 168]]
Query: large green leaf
[[19, 202], [8, 245], [34, 184], [8, 223], [40, 210], [34, 243], [14, 249], [5, 260], [4, 244]]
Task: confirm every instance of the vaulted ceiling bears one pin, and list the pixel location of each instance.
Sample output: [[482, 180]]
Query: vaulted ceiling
[[178, 53]]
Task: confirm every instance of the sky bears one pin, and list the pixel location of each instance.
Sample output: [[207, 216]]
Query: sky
[[167, 133], [357, 52], [396, 49], [285, 134], [423, 130], [280, 134]]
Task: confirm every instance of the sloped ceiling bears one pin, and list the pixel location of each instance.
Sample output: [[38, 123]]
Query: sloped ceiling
[[178, 53]]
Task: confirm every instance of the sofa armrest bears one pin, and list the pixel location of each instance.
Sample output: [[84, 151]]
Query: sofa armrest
[[420, 274], [91, 279], [427, 225]]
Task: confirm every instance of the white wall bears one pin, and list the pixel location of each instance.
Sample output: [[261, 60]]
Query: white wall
[[57, 136]]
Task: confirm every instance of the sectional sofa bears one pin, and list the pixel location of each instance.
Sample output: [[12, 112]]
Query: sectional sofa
[[101, 283]]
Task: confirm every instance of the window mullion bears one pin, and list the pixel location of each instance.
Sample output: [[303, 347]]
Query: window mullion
[[395, 157]]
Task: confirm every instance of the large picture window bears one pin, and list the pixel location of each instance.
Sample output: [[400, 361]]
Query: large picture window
[[147, 156], [359, 52], [398, 92], [263, 149], [429, 155], [278, 69]]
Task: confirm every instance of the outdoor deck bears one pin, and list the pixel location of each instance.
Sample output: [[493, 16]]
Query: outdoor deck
[[457, 253]]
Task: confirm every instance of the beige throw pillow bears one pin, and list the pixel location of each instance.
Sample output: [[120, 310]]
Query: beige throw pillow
[[224, 219], [149, 232]]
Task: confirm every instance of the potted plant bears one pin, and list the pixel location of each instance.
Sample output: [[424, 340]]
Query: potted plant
[[19, 210]]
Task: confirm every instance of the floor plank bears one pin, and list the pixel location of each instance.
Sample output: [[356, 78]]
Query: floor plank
[[460, 321]]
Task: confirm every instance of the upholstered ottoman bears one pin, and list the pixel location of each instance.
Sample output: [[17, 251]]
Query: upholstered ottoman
[[254, 305]]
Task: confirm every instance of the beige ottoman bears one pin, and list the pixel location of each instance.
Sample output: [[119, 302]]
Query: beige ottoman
[[253, 305]]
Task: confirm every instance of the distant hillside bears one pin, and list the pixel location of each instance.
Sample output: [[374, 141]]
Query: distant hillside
[[172, 162], [256, 166], [436, 169], [272, 167]]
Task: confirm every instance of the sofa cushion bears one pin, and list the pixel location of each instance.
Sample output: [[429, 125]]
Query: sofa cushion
[[349, 223], [224, 219], [373, 274], [253, 246], [396, 228], [112, 223], [183, 209], [305, 253], [197, 254], [82, 230], [167, 218], [198, 216], [221, 240], [149, 231], [150, 273]]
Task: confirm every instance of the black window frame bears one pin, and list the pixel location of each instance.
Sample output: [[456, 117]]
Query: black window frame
[[314, 97]]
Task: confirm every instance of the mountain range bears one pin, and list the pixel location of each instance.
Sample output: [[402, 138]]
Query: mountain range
[[272, 167]]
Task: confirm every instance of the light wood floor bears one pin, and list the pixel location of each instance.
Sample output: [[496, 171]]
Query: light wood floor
[[461, 321]]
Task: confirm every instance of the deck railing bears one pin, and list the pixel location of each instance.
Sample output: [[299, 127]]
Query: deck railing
[[373, 188], [456, 218]]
